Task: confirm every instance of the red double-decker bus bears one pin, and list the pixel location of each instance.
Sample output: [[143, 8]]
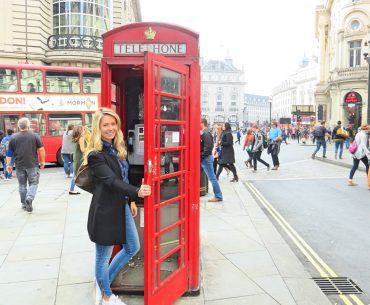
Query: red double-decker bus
[[51, 97]]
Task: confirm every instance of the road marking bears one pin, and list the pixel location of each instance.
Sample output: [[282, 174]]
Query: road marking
[[323, 269]]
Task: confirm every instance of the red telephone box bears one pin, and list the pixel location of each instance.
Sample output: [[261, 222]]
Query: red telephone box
[[151, 77]]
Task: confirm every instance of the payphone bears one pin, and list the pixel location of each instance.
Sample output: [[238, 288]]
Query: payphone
[[153, 71]]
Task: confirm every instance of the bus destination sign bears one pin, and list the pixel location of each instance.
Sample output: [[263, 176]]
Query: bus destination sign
[[158, 48]]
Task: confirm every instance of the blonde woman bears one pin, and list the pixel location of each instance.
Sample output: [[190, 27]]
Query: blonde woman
[[113, 207]]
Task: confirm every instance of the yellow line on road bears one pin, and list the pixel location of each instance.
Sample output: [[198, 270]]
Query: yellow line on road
[[323, 269]]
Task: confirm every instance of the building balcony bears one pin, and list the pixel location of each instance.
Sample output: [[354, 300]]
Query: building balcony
[[349, 74]]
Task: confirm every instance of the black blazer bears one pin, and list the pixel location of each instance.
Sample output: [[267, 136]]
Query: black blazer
[[227, 151], [106, 222]]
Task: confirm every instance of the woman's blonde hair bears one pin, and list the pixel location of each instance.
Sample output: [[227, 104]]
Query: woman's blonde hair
[[95, 143]]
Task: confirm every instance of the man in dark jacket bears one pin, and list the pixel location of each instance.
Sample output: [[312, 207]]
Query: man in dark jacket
[[319, 136], [338, 136], [206, 159]]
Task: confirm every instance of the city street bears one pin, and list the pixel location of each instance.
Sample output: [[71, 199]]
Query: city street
[[313, 197]]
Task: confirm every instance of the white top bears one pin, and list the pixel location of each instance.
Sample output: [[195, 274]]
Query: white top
[[362, 144], [67, 147]]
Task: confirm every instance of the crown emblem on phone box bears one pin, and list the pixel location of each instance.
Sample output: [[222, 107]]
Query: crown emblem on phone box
[[150, 33]]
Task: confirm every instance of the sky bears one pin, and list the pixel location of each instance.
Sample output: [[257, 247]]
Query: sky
[[267, 38]]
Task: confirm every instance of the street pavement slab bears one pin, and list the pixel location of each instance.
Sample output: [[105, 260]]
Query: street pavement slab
[[48, 256]]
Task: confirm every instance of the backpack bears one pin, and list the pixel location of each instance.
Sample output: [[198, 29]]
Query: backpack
[[264, 141], [353, 147], [3, 148], [342, 133], [319, 132]]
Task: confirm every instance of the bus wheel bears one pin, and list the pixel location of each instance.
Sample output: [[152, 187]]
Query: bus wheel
[[59, 158]]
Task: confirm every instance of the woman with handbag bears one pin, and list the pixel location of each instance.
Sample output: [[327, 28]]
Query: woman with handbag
[[361, 153], [227, 158], [110, 220]]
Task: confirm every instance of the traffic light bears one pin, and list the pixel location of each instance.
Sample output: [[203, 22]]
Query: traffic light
[[352, 117]]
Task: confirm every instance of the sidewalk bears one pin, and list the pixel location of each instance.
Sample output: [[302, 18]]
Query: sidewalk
[[347, 160], [46, 258]]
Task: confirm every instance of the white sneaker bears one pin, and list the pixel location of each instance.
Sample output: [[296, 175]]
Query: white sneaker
[[113, 300], [98, 295]]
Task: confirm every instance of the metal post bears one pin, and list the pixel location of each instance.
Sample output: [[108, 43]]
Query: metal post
[[270, 112], [26, 29]]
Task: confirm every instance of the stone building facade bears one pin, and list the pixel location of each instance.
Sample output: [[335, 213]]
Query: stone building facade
[[297, 89], [222, 95], [256, 109], [342, 28], [60, 32]]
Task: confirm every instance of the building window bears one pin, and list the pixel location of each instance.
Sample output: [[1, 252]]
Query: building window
[[355, 25], [83, 17], [354, 53]]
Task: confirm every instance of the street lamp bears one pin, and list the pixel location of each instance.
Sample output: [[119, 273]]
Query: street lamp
[[367, 58]]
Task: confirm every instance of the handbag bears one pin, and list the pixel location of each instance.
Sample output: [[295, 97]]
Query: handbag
[[353, 147], [84, 180]]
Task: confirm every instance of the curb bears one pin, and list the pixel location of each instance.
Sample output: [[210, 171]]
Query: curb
[[338, 163]]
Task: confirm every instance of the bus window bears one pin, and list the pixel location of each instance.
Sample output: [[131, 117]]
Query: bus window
[[88, 120], [8, 80], [8, 121], [31, 81], [62, 82], [58, 123], [91, 82], [37, 123]]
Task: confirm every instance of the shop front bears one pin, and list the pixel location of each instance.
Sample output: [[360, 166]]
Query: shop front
[[352, 109]]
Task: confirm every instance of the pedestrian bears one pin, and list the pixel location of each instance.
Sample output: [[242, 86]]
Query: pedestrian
[[368, 162], [67, 151], [258, 149], [284, 136], [25, 147], [319, 136], [361, 154], [350, 137], [339, 135], [2, 156], [79, 147], [4, 146], [274, 145], [238, 136], [206, 159], [248, 145], [227, 158], [216, 152], [113, 208]]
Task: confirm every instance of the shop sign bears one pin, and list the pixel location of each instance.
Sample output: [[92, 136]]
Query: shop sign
[[159, 48], [351, 98]]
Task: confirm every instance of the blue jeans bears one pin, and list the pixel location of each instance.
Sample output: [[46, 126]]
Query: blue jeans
[[105, 273], [32, 175], [348, 142], [207, 166], [8, 175], [67, 163], [72, 186], [339, 144], [320, 142]]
